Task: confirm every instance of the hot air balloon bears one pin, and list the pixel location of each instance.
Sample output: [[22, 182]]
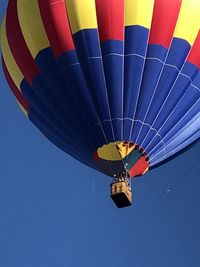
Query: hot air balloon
[[113, 83]]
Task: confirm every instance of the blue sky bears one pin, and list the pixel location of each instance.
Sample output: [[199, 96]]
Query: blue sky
[[55, 211]]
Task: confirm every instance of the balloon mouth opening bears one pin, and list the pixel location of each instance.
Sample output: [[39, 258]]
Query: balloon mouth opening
[[122, 157]]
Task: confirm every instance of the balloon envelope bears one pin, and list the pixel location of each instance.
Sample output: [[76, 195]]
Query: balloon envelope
[[113, 83]]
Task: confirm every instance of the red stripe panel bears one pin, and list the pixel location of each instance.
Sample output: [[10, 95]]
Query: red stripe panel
[[14, 88], [139, 167], [55, 19], [18, 45], [110, 17], [164, 20], [194, 55]]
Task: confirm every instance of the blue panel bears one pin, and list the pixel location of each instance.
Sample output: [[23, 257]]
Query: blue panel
[[44, 125], [112, 46], [57, 93], [35, 102], [82, 156], [178, 52], [67, 95], [187, 108], [62, 129], [133, 69], [128, 124], [177, 149], [190, 70], [87, 44], [89, 55], [181, 136], [43, 92], [186, 146], [196, 81], [153, 66], [176, 57], [155, 97], [113, 63], [78, 87], [80, 152], [174, 129], [170, 89], [136, 39], [79, 101], [137, 126], [157, 52], [72, 71], [169, 74], [155, 144], [186, 131], [174, 97], [67, 58]]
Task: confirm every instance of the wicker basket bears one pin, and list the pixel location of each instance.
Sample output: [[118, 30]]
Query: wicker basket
[[121, 194]]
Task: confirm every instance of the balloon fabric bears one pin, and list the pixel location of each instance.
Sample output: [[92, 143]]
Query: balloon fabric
[[113, 83]]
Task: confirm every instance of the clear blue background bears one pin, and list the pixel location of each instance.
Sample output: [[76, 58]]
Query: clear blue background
[[56, 212]]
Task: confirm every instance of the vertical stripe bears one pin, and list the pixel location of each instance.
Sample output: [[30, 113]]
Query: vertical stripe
[[110, 17], [138, 12], [136, 40], [165, 15], [138, 18], [11, 65], [57, 26], [23, 103], [189, 20], [32, 26], [82, 14], [194, 55], [17, 44]]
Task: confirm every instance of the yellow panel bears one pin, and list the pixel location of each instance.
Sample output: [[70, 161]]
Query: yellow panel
[[32, 26], [188, 21], [11, 65], [109, 152], [23, 110], [114, 151], [124, 149], [82, 14], [139, 12]]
